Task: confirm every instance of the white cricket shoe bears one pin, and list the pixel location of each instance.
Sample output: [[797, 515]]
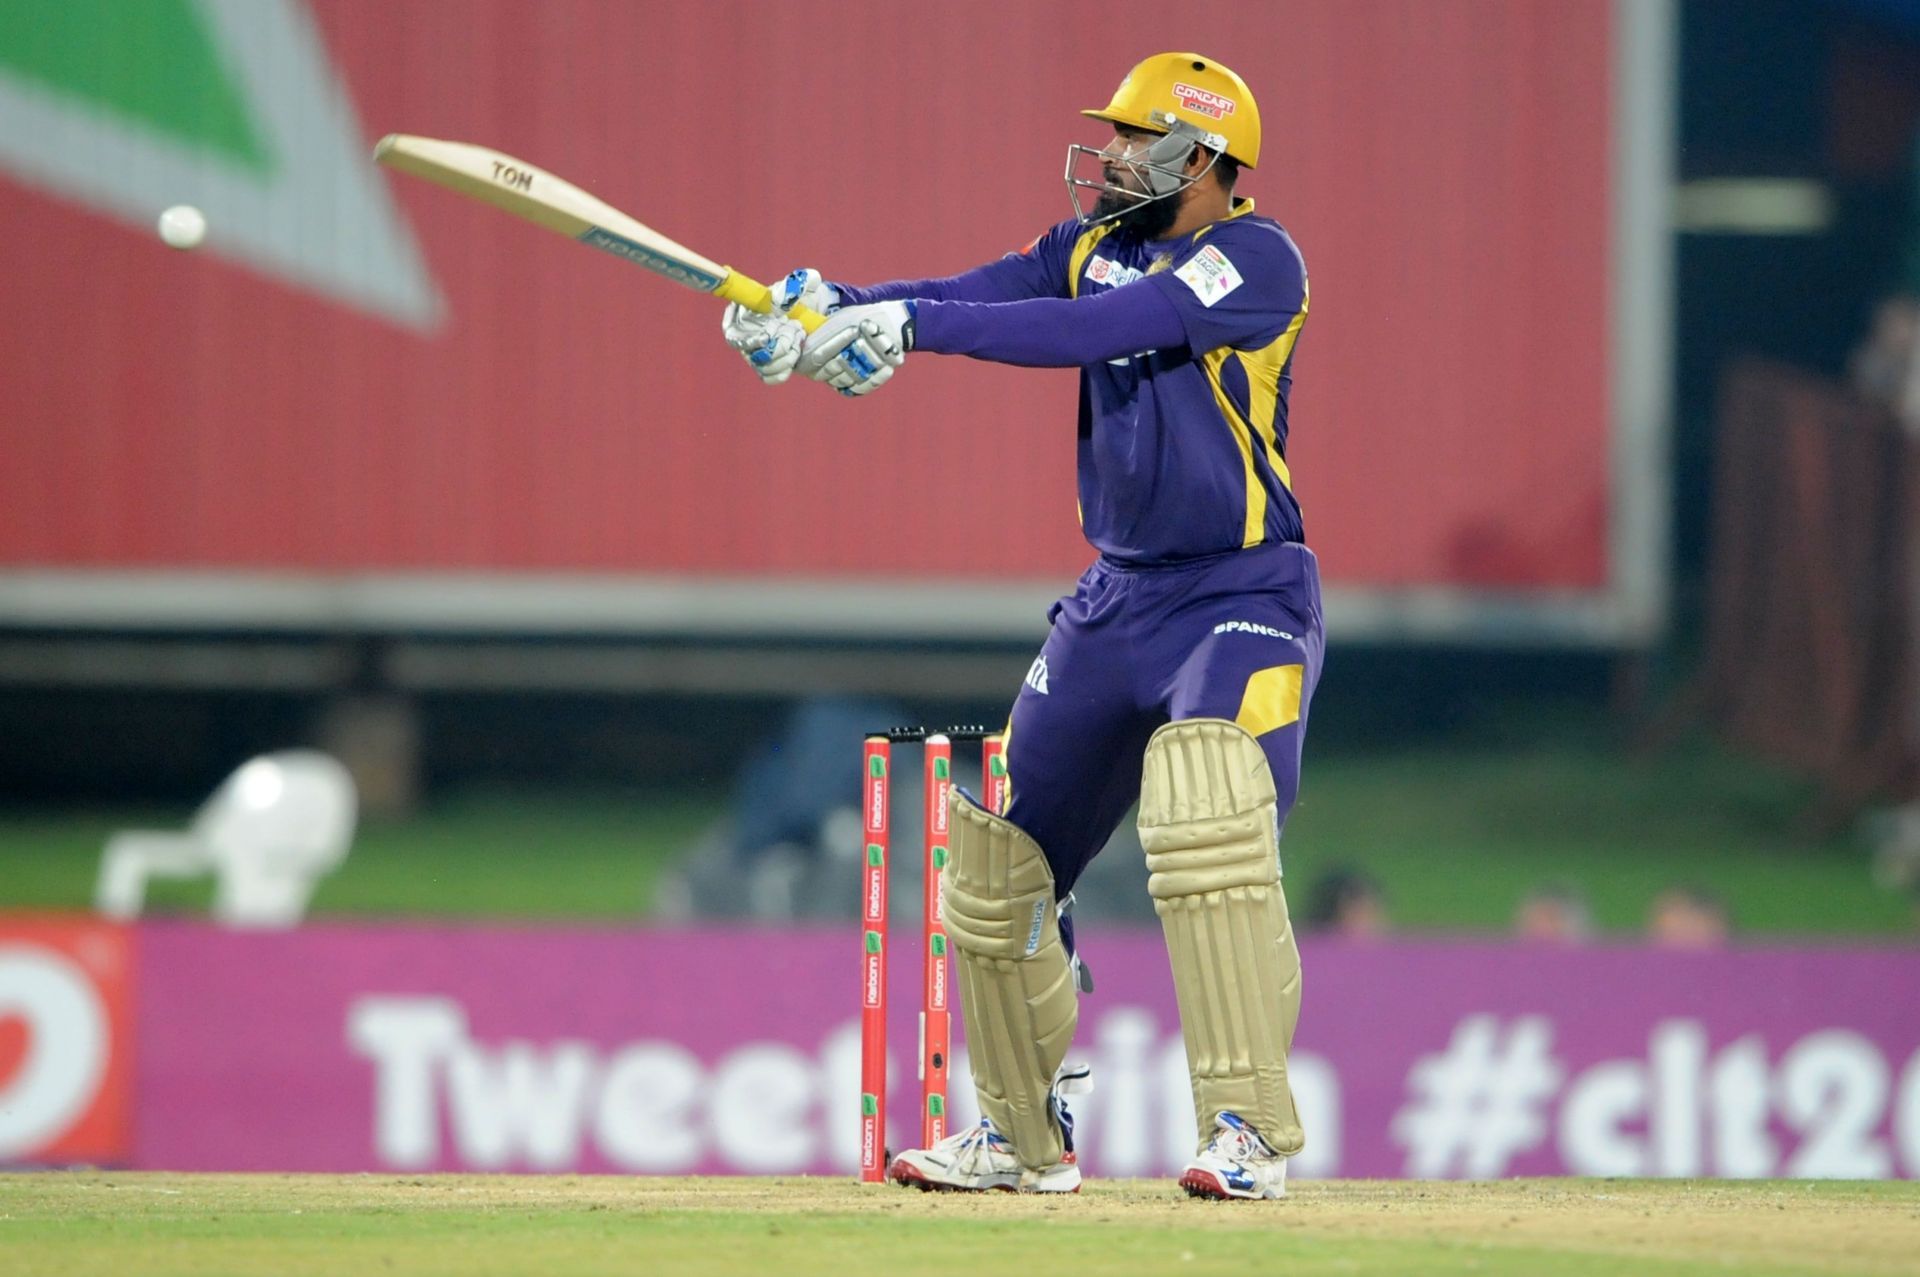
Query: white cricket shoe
[[1235, 1163], [980, 1160]]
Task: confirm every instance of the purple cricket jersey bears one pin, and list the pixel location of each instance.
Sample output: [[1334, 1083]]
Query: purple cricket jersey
[[1185, 348]]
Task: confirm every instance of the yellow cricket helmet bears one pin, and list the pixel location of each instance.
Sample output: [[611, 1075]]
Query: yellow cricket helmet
[[1192, 89]]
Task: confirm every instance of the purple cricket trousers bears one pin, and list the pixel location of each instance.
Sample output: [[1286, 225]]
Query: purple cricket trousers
[[1135, 647]]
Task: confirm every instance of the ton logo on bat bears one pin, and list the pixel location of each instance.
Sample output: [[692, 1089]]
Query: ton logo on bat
[[507, 175]]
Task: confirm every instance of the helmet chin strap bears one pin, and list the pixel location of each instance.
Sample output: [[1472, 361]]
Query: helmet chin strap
[[1160, 168]]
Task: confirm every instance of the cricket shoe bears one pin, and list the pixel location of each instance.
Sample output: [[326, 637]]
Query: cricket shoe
[[980, 1160], [1236, 1163]]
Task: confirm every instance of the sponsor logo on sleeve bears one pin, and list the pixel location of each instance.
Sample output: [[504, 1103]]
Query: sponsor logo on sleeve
[[1101, 270], [1210, 274], [1201, 102]]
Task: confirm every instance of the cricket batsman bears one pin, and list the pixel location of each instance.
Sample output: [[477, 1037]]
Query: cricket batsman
[[1179, 670]]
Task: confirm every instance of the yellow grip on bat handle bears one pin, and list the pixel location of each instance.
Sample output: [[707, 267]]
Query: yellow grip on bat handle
[[756, 296]]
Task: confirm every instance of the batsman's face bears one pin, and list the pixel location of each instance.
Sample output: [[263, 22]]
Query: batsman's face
[[1127, 144], [1128, 180], [1126, 184]]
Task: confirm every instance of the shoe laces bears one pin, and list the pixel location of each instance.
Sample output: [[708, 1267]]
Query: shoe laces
[[1236, 1140], [970, 1145]]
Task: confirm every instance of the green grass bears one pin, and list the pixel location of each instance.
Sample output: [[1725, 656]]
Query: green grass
[[81, 1224], [587, 856], [1457, 835]]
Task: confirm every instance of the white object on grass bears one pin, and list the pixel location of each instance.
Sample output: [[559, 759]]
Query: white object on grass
[[269, 834]]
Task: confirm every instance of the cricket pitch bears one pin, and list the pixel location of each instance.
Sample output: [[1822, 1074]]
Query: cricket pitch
[[82, 1223]]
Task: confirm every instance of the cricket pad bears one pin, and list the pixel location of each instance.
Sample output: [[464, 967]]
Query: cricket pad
[[1208, 822], [1017, 997]]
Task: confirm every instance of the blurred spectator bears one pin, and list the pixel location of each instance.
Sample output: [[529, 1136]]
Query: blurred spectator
[[1556, 913], [1885, 366], [1913, 224], [792, 783], [792, 833], [1346, 901], [1688, 917]]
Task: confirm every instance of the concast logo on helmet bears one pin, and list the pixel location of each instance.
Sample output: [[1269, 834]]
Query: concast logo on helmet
[[1210, 104]]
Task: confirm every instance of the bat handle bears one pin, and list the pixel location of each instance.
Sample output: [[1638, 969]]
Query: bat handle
[[757, 297], [808, 317]]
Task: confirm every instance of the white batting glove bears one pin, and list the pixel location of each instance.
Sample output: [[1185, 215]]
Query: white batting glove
[[771, 343], [857, 350]]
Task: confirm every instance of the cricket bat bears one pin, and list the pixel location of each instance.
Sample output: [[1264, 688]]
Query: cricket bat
[[545, 200]]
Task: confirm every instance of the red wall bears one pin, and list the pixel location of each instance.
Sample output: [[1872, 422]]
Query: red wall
[[1443, 166]]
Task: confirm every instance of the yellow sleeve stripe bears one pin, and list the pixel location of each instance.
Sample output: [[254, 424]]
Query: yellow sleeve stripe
[[1255, 529], [1083, 249], [1263, 368], [1263, 398]]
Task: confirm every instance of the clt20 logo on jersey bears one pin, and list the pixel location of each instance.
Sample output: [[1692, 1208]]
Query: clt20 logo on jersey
[[1208, 104]]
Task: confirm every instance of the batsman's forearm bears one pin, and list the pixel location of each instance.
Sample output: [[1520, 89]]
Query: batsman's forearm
[[1009, 279], [1052, 332]]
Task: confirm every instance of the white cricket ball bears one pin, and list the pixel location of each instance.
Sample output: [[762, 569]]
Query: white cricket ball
[[183, 226]]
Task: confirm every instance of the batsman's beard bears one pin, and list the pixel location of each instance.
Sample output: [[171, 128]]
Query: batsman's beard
[[1150, 219]]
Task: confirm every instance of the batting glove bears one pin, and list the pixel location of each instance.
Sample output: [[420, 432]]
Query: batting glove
[[857, 349], [771, 343]]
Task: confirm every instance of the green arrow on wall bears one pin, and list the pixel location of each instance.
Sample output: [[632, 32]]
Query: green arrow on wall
[[151, 63]]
